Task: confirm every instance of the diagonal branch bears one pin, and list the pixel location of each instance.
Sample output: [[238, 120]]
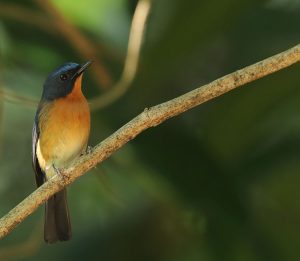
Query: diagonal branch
[[148, 118], [26, 16]]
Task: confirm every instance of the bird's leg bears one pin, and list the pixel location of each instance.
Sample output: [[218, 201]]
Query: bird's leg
[[58, 172], [89, 149]]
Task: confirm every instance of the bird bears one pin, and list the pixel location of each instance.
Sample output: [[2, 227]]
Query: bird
[[59, 136]]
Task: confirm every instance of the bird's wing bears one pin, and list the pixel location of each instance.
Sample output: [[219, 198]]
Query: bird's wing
[[39, 174]]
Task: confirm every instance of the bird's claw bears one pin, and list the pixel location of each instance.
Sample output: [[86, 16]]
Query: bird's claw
[[59, 173], [89, 149]]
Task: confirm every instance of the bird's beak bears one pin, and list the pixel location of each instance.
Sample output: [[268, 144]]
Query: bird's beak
[[82, 68]]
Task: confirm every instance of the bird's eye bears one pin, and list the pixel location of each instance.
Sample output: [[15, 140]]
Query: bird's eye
[[63, 77]]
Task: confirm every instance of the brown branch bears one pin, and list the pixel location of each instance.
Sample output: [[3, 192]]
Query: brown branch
[[26, 16], [79, 42], [148, 118], [130, 67]]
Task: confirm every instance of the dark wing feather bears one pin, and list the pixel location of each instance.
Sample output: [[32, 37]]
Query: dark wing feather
[[39, 174]]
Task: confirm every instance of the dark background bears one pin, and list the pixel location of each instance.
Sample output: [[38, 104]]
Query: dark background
[[219, 182]]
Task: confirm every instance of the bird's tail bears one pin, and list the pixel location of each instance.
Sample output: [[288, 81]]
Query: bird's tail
[[57, 218]]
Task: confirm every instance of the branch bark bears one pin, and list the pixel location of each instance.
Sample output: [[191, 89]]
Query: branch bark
[[150, 117]]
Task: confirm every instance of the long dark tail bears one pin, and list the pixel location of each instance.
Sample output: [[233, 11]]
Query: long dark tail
[[57, 218]]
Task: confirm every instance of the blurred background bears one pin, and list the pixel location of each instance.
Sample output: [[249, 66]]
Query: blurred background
[[220, 182]]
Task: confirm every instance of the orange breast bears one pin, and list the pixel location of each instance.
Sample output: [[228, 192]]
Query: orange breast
[[64, 130]]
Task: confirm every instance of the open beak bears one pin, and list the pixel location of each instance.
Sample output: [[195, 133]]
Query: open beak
[[82, 69]]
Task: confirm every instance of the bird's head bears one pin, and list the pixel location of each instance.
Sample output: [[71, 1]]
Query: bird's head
[[63, 80]]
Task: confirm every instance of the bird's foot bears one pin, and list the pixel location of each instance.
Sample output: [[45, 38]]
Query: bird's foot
[[89, 149], [59, 173]]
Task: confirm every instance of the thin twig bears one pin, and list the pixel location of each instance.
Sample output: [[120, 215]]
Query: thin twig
[[148, 118], [27, 16], [131, 61], [14, 97], [132, 58], [81, 43]]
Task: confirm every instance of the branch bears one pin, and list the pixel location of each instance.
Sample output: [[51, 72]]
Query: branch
[[14, 97], [148, 118], [79, 42], [135, 41], [26, 16]]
